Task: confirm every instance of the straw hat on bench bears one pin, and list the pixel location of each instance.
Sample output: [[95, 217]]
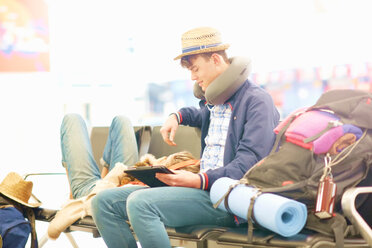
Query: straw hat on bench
[[15, 188]]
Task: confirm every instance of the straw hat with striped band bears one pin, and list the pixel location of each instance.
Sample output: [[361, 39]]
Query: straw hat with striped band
[[201, 40], [15, 188]]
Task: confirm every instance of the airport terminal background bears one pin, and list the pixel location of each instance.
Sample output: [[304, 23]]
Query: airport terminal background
[[106, 58]]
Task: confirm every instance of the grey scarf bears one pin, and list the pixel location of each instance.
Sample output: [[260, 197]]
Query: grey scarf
[[226, 84]]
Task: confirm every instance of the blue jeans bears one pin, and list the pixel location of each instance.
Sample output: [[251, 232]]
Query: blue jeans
[[77, 155], [149, 210]]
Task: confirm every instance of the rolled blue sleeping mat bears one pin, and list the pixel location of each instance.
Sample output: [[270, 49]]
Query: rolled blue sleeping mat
[[279, 214]]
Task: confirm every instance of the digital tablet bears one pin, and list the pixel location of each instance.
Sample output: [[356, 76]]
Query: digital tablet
[[146, 174]]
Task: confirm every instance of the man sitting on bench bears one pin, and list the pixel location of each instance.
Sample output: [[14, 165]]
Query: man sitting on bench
[[236, 118]]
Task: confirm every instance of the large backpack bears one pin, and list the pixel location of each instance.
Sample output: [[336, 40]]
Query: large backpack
[[295, 166], [17, 222]]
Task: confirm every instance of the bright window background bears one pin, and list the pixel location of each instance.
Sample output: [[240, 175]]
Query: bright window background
[[105, 55]]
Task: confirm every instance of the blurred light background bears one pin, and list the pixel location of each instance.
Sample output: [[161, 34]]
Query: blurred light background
[[115, 57]]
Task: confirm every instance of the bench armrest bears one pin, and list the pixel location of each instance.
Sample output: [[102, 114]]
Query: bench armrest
[[348, 207]]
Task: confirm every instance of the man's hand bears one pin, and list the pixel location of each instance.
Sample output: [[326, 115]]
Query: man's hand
[[168, 130], [181, 178]]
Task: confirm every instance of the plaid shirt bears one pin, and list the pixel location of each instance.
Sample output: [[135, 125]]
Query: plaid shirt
[[215, 141], [250, 135]]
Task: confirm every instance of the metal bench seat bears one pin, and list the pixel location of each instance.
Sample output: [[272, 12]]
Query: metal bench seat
[[237, 237], [195, 236]]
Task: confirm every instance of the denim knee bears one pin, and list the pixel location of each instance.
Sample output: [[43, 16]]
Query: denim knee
[[94, 205], [122, 121], [70, 123], [99, 202], [71, 118], [136, 202]]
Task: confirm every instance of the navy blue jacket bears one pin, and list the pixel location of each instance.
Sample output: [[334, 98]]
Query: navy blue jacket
[[250, 135]]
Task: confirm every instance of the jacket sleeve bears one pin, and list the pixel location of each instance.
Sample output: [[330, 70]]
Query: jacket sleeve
[[190, 116], [258, 121]]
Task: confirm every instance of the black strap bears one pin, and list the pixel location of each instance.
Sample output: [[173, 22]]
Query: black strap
[[315, 136], [33, 231], [225, 197], [250, 217], [339, 234], [279, 136], [30, 215]]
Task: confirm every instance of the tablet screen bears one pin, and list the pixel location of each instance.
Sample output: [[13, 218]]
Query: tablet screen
[[146, 174]]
